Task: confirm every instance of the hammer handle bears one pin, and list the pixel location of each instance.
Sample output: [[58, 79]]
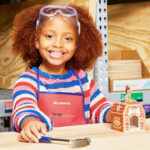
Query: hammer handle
[[45, 139]]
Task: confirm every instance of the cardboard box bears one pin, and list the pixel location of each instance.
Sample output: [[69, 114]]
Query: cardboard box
[[138, 82]]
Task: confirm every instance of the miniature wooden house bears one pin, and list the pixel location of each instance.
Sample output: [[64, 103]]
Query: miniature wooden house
[[127, 117]]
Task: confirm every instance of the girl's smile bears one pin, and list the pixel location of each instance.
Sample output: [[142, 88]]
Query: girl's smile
[[55, 54]]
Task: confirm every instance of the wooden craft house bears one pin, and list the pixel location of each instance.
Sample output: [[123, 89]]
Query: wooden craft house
[[127, 117]]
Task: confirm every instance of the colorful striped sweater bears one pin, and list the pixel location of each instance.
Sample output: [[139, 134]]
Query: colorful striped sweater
[[25, 101]]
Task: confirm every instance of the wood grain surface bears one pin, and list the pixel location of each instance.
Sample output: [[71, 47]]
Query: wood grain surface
[[102, 138], [125, 69], [129, 29]]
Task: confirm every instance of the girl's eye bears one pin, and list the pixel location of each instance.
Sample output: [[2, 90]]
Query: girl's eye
[[49, 36], [68, 39]]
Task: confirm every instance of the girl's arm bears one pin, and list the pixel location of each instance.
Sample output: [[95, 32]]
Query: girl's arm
[[99, 105], [25, 103]]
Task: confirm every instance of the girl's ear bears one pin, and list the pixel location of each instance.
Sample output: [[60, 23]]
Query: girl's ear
[[37, 44]]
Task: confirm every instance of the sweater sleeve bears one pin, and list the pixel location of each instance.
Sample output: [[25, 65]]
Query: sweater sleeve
[[99, 105], [25, 102]]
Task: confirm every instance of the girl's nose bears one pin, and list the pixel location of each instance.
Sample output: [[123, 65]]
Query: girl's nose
[[58, 42]]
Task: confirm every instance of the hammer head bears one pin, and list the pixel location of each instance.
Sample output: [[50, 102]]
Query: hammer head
[[80, 142]]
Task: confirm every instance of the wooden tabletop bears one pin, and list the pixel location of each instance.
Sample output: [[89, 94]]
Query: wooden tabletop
[[102, 138]]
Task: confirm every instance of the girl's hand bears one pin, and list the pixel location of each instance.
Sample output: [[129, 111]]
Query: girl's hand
[[108, 116], [31, 130]]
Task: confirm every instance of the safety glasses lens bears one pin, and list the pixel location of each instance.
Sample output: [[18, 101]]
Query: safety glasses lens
[[53, 10]]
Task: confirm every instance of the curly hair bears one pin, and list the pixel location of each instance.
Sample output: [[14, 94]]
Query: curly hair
[[89, 43]]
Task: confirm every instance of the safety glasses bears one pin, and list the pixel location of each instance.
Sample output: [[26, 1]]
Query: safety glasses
[[49, 11]]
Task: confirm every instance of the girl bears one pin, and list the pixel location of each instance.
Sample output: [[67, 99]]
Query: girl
[[58, 43]]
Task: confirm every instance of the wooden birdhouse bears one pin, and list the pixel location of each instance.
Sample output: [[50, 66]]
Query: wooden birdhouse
[[127, 116]]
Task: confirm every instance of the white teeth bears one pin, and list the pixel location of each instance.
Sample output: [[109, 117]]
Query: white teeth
[[55, 54]]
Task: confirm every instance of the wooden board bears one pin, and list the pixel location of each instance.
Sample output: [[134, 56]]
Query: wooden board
[[124, 69], [11, 65], [129, 29], [102, 138]]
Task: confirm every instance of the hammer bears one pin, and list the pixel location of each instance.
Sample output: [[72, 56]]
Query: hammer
[[73, 143]]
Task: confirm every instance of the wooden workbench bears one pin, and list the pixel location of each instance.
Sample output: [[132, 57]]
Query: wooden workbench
[[102, 138]]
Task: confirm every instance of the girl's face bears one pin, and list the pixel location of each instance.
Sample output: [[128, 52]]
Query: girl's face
[[56, 42]]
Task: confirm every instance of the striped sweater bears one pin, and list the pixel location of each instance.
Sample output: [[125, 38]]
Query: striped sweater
[[25, 103]]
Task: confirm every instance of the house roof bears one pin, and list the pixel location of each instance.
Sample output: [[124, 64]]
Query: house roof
[[120, 107]]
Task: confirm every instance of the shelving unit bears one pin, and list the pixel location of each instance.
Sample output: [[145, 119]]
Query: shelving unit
[[101, 66]]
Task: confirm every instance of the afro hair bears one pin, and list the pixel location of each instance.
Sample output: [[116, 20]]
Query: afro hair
[[89, 43]]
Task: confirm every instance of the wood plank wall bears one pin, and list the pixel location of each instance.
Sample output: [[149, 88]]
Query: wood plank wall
[[11, 66], [129, 29]]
